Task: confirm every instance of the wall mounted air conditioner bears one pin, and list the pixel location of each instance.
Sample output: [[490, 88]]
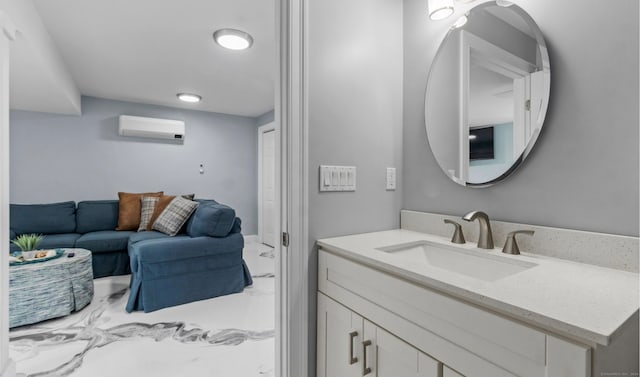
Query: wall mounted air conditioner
[[151, 127]]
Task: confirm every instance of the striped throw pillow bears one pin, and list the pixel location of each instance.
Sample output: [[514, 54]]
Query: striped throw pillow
[[175, 215]]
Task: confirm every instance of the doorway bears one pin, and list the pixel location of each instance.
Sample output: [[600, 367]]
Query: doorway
[[266, 185]]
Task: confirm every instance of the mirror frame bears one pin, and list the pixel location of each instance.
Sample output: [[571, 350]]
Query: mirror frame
[[545, 67]]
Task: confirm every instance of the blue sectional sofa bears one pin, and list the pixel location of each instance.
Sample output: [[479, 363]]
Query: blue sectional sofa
[[89, 225], [203, 261]]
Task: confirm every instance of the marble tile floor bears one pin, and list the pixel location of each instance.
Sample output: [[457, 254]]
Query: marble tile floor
[[228, 336]]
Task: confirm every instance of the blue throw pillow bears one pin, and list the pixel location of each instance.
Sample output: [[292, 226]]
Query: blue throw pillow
[[211, 219]]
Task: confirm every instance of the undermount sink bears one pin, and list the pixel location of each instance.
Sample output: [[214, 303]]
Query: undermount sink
[[475, 263]]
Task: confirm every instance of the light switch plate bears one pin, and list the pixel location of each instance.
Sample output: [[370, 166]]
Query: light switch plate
[[391, 179], [337, 178]]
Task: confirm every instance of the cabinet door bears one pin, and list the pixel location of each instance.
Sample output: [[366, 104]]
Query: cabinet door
[[394, 358], [339, 340]]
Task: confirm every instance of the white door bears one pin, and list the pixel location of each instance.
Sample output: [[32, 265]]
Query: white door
[[267, 185]]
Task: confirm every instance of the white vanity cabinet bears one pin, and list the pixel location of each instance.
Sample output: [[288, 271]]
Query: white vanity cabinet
[[368, 318], [349, 345]]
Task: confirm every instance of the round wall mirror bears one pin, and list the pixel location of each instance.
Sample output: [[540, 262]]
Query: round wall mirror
[[487, 94]]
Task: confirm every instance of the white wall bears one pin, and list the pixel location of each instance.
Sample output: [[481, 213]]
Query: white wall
[[583, 172], [355, 118], [62, 157]]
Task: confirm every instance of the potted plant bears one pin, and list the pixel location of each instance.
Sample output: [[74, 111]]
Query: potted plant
[[28, 243]]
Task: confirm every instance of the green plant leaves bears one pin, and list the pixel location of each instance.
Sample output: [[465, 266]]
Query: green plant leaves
[[28, 242]]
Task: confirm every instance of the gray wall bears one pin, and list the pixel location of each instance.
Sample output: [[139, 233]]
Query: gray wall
[[61, 157], [355, 118], [583, 172]]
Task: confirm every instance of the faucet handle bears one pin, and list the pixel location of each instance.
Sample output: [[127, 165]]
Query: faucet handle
[[510, 245], [458, 237]]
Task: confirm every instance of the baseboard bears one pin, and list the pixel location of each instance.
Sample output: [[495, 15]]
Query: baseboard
[[247, 238], [9, 370]]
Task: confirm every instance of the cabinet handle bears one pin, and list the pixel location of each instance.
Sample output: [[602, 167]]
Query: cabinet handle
[[352, 359], [365, 369]]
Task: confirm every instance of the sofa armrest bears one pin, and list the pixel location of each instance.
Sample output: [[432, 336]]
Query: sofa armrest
[[180, 248]]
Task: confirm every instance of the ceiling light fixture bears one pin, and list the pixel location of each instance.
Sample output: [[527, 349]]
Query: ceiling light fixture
[[440, 9], [504, 3], [189, 97], [233, 39], [460, 22]]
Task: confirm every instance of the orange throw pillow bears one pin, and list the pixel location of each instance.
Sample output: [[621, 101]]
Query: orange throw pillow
[[129, 209]]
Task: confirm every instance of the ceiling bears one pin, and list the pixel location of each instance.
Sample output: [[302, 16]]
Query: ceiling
[[148, 51]]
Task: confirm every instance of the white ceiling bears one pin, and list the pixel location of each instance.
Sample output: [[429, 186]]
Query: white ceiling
[[149, 50]]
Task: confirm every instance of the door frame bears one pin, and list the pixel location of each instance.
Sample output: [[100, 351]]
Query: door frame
[[292, 261], [262, 130], [7, 35]]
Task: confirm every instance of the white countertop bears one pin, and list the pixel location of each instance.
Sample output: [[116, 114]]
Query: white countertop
[[572, 299]]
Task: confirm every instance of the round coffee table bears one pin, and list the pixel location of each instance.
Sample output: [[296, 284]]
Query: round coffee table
[[50, 289]]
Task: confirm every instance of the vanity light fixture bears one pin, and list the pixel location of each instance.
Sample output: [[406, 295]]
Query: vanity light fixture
[[440, 9], [189, 97], [233, 39]]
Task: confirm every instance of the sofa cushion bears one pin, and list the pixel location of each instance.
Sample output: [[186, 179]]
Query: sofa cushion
[[147, 209], [175, 216], [95, 215], [148, 235], [211, 219], [104, 240], [237, 226], [54, 241], [54, 218], [129, 209]]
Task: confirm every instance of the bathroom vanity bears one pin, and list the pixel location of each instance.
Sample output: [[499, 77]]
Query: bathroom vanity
[[405, 303]]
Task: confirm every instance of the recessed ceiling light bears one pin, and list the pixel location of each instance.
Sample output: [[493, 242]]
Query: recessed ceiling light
[[233, 39], [188, 97]]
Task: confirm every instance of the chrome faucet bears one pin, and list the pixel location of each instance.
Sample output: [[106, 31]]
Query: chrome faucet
[[485, 239]]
